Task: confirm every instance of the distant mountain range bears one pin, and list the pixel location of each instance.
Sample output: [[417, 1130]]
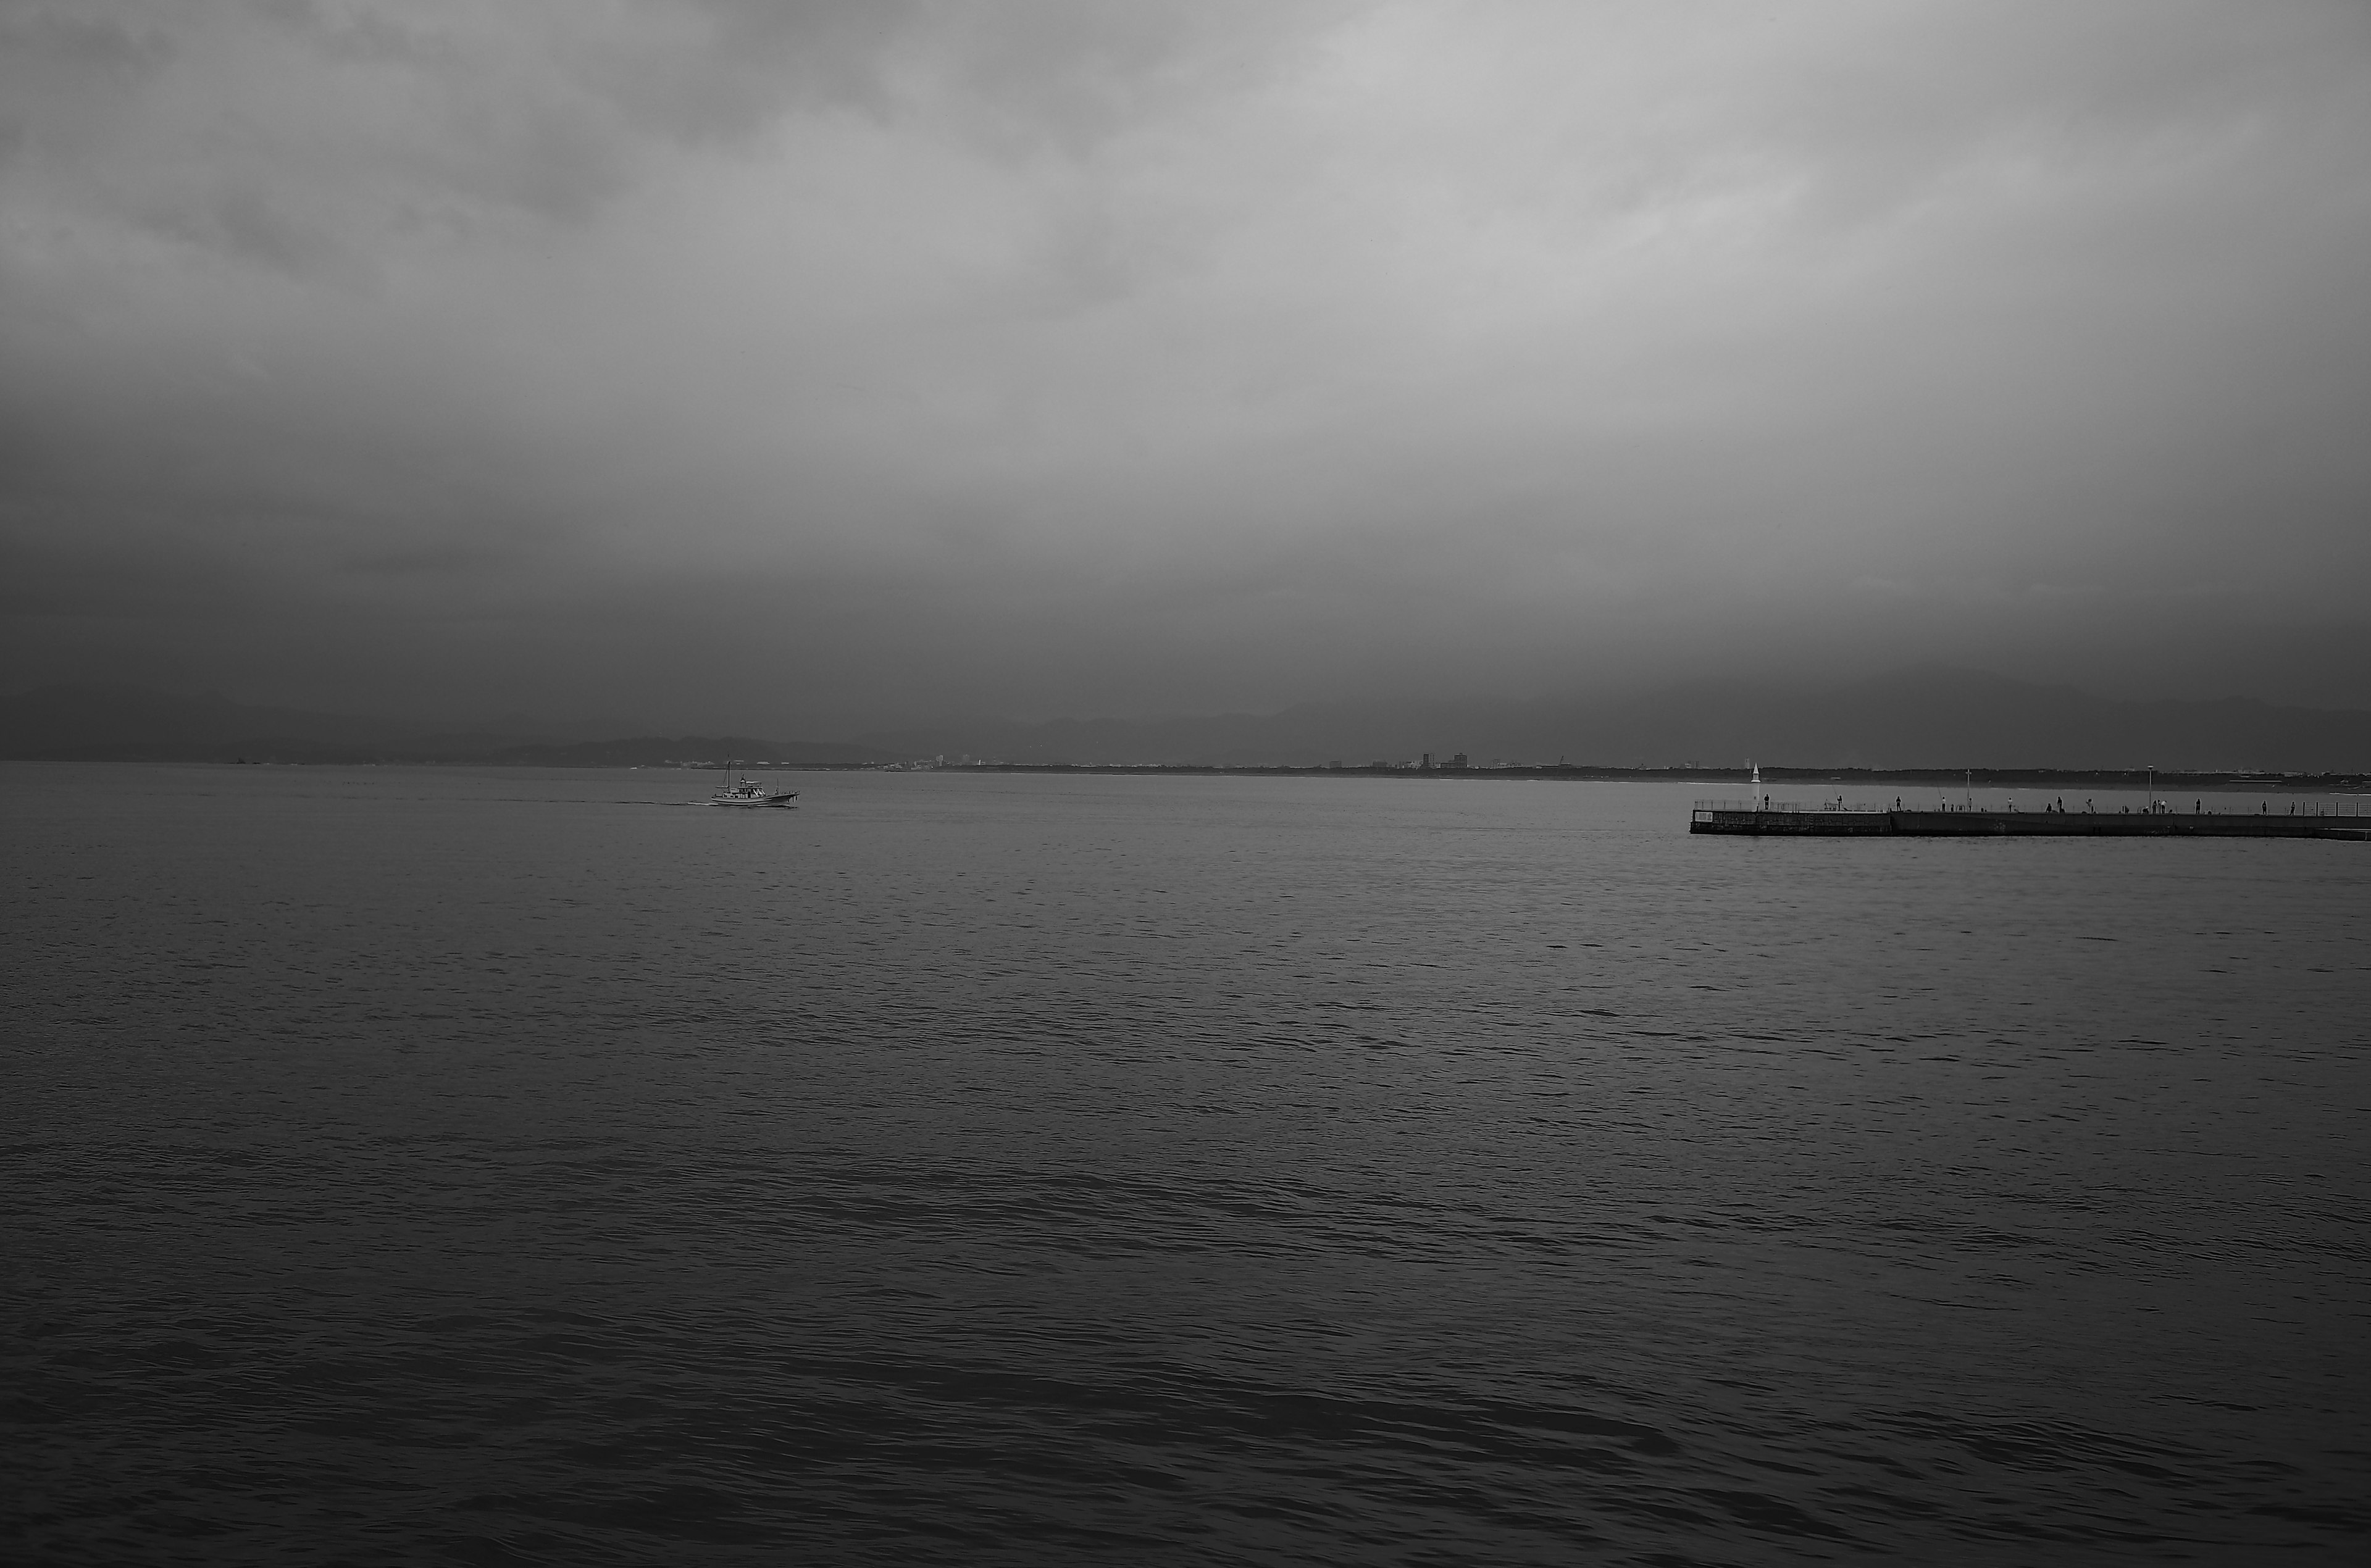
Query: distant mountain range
[[1926, 718]]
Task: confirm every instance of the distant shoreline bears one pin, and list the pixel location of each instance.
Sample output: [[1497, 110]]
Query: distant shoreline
[[1997, 778], [1724, 779], [1945, 720]]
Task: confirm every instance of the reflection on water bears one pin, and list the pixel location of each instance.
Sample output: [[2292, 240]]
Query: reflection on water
[[428, 1165]]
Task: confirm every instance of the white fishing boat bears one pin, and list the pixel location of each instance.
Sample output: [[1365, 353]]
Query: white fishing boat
[[742, 791]]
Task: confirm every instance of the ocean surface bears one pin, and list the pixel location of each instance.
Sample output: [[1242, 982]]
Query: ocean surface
[[415, 1165]]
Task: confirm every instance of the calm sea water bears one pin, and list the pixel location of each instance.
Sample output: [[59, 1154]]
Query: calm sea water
[[437, 1166]]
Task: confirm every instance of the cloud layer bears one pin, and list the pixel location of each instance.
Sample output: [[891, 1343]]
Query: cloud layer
[[801, 365]]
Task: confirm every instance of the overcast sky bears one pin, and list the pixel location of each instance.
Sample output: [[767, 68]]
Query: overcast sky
[[800, 367]]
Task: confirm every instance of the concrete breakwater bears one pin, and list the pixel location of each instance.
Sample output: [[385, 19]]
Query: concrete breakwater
[[1785, 819]]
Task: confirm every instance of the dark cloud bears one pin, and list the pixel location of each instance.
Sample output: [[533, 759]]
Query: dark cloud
[[842, 360]]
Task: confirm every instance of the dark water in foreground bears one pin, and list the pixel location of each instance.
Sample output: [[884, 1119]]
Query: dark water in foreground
[[410, 1165]]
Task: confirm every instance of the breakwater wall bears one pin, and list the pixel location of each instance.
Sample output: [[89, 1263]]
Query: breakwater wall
[[1784, 821]]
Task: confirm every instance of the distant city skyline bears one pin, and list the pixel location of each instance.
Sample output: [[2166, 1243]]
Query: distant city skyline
[[807, 370]]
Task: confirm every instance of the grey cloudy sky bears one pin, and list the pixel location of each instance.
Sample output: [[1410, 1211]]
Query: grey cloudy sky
[[800, 365]]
